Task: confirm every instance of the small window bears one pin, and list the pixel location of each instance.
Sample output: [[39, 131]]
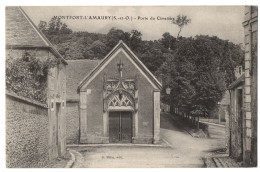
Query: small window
[[52, 105], [63, 104], [240, 70]]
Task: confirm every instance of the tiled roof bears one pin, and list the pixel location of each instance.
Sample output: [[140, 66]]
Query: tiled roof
[[118, 47], [19, 31], [237, 82], [76, 71], [22, 32]]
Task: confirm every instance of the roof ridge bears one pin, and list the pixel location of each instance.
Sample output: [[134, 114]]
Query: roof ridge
[[142, 67], [84, 60], [149, 72], [33, 25], [42, 36]]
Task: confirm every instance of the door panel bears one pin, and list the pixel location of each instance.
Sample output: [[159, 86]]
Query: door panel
[[57, 129], [120, 127], [126, 127], [240, 121], [114, 127]]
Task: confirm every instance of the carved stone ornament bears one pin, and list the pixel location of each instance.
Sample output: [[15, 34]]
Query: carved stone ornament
[[119, 93]]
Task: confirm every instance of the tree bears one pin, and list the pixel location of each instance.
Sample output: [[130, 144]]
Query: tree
[[181, 21], [168, 40], [54, 26], [152, 55], [199, 73], [198, 69], [64, 29], [114, 36], [99, 49], [42, 25], [135, 40], [55, 30]]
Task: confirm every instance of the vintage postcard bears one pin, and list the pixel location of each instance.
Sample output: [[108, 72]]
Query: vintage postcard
[[131, 86]]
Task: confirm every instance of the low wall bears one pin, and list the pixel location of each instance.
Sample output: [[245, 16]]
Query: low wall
[[26, 133]]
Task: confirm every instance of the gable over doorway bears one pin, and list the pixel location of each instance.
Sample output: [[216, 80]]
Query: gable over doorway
[[119, 101]]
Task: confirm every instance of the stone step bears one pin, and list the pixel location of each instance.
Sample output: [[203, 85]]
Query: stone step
[[229, 163], [225, 162], [217, 162], [208, 163]]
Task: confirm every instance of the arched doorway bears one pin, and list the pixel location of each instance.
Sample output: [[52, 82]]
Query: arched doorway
[[120, 108]]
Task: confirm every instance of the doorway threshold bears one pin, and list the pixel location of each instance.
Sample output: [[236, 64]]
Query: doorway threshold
[[116, 145]]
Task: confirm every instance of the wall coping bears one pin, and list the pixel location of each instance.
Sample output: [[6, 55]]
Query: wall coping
[[27, 100]]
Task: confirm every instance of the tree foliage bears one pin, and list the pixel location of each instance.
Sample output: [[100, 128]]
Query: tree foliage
[[84, 45], [181, 21], [31, 80], [55, 30], [198, 69]]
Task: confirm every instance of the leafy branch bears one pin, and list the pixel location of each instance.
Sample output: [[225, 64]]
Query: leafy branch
[[181, 21], [27, 76]]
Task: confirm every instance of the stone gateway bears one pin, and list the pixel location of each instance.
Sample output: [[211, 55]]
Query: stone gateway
[[118, 101]]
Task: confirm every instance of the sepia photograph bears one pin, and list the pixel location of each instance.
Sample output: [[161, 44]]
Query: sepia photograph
[[131, 86]]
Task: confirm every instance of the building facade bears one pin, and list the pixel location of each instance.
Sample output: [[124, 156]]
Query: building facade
[[41, 126], [236, 125], [243, 112], [221, 109], [119, 101], [250, 97], [76, 72]]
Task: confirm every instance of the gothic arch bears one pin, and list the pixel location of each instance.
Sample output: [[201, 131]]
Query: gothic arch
[[120, 100]]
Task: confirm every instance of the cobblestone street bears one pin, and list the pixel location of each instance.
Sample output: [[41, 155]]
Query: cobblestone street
[[180, 150]]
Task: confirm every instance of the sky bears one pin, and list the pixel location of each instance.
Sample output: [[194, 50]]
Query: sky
[[222, 21]]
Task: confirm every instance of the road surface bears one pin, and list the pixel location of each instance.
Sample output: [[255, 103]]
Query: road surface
[[182, 150]]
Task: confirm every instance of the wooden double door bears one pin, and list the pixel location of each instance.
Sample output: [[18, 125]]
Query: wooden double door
[[120, 127]]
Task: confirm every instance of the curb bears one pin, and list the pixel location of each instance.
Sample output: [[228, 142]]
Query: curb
[[219, 125], [72, 160], [167, 143], [183, 127], [115, 145], [194, 135]]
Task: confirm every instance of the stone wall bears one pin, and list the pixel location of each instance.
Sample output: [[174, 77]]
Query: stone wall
[[227, 128], [236, 124], [250, 34], [57, 111], [56, 97], [35, 133], [27, 133], [254, 57], [72, 123]]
